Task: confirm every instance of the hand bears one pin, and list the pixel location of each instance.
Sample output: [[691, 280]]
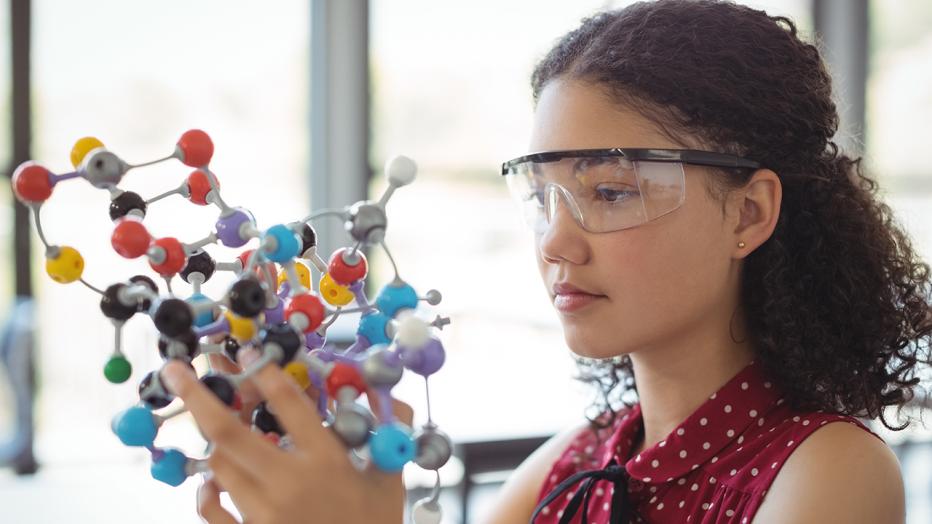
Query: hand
[[313, 482], [248, 393]]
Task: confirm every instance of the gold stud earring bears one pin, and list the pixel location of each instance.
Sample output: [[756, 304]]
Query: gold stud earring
[[741, 244]]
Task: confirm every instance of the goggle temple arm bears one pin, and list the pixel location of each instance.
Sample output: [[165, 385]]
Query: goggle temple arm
[[552, 193]]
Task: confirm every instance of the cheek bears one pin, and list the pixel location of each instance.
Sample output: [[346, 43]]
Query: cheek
[[641, 273], [664, 277]]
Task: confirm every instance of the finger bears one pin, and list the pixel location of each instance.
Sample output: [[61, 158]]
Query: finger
[[401, 410], [223, 363], [384, 481], [252, 399], [293, 409], [208, 505], [248, 394], [245, 489], [248, 388], [218, 423]]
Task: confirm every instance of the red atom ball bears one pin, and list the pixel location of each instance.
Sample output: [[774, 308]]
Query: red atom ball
[[32, 183], [312, 308], [344, 374], [196, 148], [244, 257], [244, 261], [198, 187], [175, 257], [130, 238], [343, 273]]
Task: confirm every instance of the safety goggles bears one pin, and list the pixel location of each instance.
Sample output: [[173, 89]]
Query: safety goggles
[[607, 189]]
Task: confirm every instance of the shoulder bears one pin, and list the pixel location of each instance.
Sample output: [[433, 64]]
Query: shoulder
[[840, 472], [518, 496]]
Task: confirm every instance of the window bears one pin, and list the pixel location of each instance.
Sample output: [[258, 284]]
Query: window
[[137, 75], [451, 89], [899, 106], [7, 286]]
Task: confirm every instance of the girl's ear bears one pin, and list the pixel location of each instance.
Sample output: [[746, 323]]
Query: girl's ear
[[754, 210]]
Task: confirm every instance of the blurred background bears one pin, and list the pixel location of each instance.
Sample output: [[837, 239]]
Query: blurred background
[[305, 101]]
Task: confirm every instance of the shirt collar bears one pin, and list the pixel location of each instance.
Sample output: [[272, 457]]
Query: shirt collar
[[721, 419]]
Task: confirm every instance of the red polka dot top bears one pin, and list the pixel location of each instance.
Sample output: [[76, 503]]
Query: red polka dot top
[[716, 466]]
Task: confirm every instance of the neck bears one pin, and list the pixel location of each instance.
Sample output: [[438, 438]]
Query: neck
[[673, 380]]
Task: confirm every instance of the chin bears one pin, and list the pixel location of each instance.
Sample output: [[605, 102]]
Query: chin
[[586, 343]]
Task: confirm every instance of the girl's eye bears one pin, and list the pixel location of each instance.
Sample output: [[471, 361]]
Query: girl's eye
[[537, 196], [615, 195]]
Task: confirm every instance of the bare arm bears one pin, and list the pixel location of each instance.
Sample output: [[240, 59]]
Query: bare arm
[[518, 496], [839, 474]]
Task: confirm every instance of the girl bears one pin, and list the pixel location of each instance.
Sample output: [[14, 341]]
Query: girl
[[709, 250]]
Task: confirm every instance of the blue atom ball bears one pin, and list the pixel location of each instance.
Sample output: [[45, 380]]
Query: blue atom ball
[[170, 469], [287, 244], [205, 317], [135, 426], [393, 298], [372, 326], [391, 447]]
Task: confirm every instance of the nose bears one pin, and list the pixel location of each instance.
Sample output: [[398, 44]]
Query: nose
[[562, 238], [553, 194]]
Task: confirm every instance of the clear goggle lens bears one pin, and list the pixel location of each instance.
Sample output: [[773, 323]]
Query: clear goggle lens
[[602, 193]]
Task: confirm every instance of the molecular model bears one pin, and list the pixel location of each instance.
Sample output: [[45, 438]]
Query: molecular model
[[270, 307]]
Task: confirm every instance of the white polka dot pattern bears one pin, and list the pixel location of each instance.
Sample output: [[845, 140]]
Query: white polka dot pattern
[[735, 443]]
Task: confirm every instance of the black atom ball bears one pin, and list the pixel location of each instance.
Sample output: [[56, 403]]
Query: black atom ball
[[145, 304], [200, 262], [285, 337], [231, 347], [247, 298], [111, 306], [153, 393], [190, 342], [173, 317], [222, 387], [308, 237], [265, 421], [126, 202]]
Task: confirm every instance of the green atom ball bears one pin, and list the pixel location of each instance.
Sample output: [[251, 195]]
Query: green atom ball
[[118, 369]]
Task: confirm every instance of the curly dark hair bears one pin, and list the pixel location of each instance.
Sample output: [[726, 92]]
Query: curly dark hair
[[837, 302]]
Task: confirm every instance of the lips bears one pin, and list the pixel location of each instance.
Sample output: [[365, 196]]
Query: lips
[[568, 297], [565, 288]]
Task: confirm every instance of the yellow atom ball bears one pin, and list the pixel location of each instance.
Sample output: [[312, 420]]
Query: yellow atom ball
[[304, 275], [66, 266], [241, 328], [298, 372], [333, 293], [82, 147]]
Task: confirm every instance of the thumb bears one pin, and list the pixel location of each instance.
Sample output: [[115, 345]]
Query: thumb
[[208, 505]]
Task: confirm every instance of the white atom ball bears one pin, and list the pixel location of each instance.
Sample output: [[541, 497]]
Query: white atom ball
[[412, 332], [426, 512], [400, 171]]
